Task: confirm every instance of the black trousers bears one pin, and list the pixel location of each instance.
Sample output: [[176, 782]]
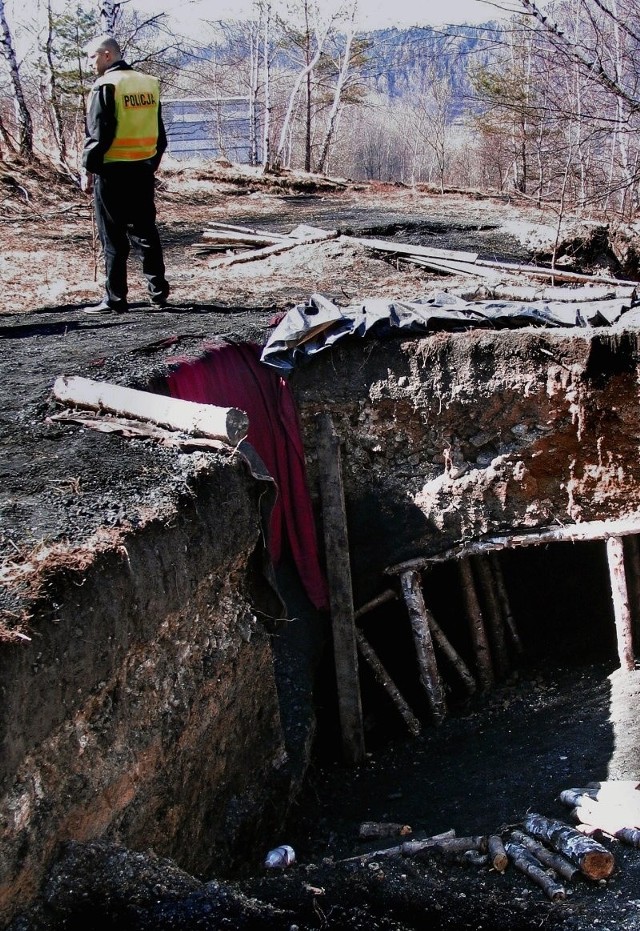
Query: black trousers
[[126, 216]]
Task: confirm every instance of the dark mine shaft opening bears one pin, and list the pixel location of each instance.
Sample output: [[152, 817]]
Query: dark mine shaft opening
[[560, 597]]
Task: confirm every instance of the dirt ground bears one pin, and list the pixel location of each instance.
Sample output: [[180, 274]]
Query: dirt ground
[[484, 768]]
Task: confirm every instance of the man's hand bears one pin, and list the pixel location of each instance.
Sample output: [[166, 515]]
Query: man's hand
[[86, 181]]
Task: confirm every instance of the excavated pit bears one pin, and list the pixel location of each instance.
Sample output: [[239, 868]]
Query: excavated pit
[[161, 706]]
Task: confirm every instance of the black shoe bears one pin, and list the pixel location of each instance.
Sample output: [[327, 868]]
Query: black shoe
[[160, 300], [104, 308]]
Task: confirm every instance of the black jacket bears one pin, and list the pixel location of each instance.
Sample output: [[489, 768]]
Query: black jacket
[[100, 127]]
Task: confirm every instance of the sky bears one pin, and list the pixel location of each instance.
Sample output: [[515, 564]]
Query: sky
[[373, 14]]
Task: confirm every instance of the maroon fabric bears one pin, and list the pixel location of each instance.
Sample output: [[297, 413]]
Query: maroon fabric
[[231, 375]]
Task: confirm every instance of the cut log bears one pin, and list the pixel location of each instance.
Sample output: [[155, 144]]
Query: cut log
[[493, 614], [476, 626], [340, 592], [453, 845], [505, 605], [526, 863], [553, 861], [620, 599], [497, 853], [383, 678], [407, 849], [429, 675], [592, 859], [371, 829], [221, 423]]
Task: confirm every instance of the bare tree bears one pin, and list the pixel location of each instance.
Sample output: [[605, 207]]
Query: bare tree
[[23, 116]]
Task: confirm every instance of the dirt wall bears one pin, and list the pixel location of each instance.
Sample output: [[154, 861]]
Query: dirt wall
[[459, 435], [144, 709]]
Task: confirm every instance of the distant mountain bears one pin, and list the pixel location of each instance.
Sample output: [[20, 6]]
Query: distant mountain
[[401, 61]]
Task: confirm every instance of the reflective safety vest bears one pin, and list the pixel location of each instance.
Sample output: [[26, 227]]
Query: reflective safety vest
[[137, 101]]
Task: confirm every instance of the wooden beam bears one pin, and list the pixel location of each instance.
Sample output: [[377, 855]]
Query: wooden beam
[[340, 590], [221, 423], [569, 533], [620, 599]]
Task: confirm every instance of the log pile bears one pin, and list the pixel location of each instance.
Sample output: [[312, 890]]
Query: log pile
[[550, 853]]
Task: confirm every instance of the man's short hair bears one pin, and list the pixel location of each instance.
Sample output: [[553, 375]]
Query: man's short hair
[[104, 43]]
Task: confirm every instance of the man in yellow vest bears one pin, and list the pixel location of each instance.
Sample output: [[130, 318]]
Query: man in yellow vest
[[124, 142]]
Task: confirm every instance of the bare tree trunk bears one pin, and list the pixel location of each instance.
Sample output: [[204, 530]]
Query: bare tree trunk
[[266, 66], [23, 117], [109, 14], [254, 59], [54, 94], [337, 95], [307, 70]]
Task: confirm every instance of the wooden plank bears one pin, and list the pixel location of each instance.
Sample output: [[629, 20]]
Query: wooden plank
[[398, 248], [340, 590], [454, 268], [232, 227], [221, 423], [255, 254], [620, 599], [539, 271]]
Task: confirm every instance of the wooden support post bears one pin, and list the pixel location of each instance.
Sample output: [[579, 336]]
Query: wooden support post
[[381, 599], [383, 678], [476, 626], [493, 614], [620, 598], [505, 605], [340, 590], [451, 653], [632, 565], [429, 675]]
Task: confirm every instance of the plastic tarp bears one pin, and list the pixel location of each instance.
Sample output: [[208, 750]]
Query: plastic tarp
[[309, 328]]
